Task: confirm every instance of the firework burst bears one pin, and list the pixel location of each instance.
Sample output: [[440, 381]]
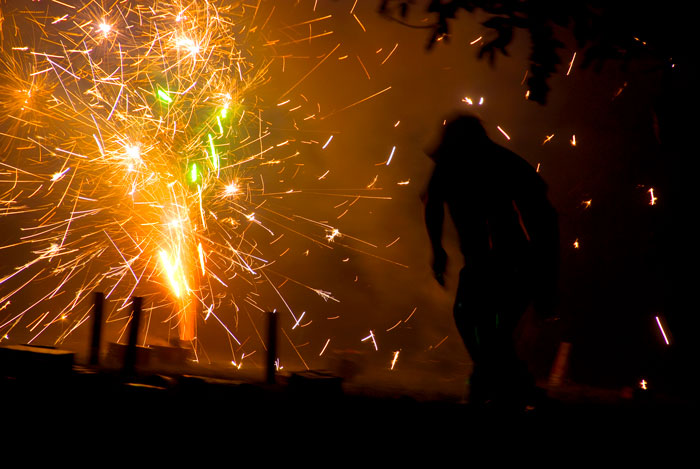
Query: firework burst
[[135, 149]]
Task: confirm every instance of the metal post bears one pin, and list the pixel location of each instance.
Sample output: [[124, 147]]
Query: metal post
[[271, 367], [96, 329], [130, 355]]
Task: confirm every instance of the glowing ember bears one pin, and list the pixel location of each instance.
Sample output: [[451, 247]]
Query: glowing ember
[[105, 28], [231, 189], [332, 234], [653, 198]]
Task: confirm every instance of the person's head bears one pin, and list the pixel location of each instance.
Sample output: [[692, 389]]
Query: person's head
[[460, 133]]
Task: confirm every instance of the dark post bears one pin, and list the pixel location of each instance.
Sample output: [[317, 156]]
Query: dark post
[[130, 355], [270, 368], [96, 329]]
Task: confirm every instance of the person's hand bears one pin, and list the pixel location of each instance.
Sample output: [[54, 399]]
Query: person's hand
[[439, 265]]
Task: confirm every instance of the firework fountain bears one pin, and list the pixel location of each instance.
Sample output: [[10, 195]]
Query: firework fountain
[[139, 156]]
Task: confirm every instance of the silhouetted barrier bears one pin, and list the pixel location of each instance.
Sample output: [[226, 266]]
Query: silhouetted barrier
[[130, 354], [35, 362], [96, 329], [116, 356], [271, 358], [315, 384]]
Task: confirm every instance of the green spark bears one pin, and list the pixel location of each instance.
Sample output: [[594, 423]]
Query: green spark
[[164, 96], [214, 156]]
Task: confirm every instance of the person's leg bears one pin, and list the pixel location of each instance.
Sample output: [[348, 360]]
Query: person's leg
[[471, 317], [487, 310], [514, 382]]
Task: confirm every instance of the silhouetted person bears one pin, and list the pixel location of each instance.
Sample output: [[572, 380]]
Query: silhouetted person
[[509, 237]]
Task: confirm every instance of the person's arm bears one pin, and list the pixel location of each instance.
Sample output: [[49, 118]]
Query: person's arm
[[434, 219]]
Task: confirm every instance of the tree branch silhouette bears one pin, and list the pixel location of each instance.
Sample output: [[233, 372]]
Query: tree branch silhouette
[[604, 31]]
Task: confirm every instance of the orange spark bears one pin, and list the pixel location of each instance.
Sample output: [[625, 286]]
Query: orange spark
[[371, 336], [653, 199], [327, 142], [324, 347], [396, 357], [503, 132], [390, 53], [571, 64]]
